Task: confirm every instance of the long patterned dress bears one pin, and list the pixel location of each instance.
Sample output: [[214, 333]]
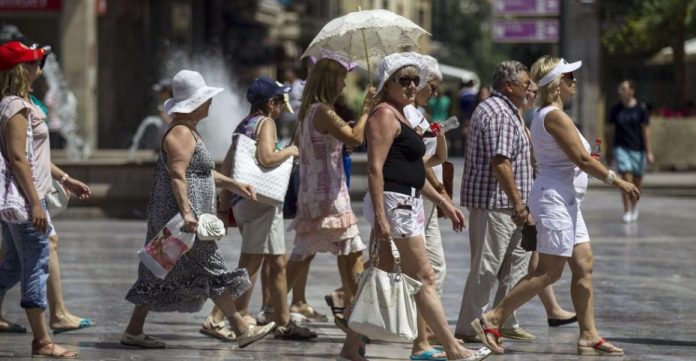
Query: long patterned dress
[[325, 221], [201, 273]]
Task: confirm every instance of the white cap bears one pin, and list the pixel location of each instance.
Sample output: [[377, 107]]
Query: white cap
[[561, 68], [393, 62], [190, 92]]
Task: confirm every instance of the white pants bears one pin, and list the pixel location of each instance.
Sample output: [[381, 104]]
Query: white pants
[[433, 244], [496, 255]]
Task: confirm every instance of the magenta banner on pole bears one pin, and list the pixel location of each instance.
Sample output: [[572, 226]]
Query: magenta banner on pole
[[527, 7], [526, 31]]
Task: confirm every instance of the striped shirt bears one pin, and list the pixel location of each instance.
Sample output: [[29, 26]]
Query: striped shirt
[[495, 129]]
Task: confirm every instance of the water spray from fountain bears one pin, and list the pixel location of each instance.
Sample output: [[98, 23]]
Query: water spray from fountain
[[227, 110]]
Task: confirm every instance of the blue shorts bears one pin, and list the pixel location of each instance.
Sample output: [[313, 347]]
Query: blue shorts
[[630, 161], [26, 261]]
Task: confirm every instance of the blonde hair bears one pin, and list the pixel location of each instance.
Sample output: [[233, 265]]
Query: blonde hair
[[548, 93], [322, 85], [14, 81]]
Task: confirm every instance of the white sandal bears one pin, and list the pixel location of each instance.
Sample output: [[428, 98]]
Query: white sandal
[[252, 335], [480, 354], [141, 340]]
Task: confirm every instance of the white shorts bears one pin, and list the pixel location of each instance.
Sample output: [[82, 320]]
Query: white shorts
[[261, 227], [404, 213], [559, 222]]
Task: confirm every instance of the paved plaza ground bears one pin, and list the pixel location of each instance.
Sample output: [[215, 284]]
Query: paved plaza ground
[[643, 278]]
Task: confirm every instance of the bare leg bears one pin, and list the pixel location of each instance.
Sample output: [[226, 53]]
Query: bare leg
[[137, 320], [349, 267], [548, 271], [583, 295], [297, 273], [225, 303], [351, 347], [547, 296], [415, 263], [278, 288], [628, 205], [252, 262], [60, 316], [265, 284]]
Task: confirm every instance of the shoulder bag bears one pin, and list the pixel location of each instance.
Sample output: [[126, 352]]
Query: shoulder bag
[[385, 305]]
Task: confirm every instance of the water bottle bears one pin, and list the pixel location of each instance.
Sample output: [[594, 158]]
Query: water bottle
[[441, 128], [449, 124], [597, 149]]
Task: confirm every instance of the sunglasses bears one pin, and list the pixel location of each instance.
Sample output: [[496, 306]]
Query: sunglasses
[[570, 76], [405, 81]]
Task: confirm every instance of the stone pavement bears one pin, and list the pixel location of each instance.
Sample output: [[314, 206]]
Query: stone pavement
[[643, 276]]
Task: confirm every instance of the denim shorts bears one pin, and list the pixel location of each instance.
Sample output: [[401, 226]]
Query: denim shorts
[[630, 161], [26, 261]]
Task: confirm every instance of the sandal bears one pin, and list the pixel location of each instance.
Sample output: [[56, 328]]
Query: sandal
[[37, 346], [220, 330], [308, 312], [334, 310], [482, 332], [13, 328], [294, 332], [142, 340], [479, 355], [600, 349], [252, 335]]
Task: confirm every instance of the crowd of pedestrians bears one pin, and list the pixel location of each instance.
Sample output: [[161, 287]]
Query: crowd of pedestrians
[[514, 176]]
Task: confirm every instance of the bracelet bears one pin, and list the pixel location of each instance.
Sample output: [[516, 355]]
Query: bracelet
[[63, 178], [610, 177]]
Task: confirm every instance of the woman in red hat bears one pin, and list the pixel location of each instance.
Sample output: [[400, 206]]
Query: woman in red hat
[[26, 242]]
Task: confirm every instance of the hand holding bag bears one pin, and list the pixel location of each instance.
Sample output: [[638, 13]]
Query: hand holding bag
[[270, 184], [162, 252], [385, 305]]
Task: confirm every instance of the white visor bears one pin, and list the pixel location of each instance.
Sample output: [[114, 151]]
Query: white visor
[[561, 68]]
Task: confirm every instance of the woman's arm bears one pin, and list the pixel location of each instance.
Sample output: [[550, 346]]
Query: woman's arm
[[381, 131], [73, 185], [445, 203], [15, 137], [179, 145], [327, 121], [440, 155], [225, 182], [561, 127], [266, 153]]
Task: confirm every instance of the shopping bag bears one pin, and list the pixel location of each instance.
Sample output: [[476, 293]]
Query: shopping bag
[[166, 248]]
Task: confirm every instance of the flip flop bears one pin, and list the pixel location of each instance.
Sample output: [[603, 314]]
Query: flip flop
[[429, 355], [482, 331], [599, 349], [14, 328], [85, 323], [480, 354]]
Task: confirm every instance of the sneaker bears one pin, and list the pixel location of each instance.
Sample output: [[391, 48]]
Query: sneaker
[[627, 217], [264, 316], [517, 333], [634, 214]]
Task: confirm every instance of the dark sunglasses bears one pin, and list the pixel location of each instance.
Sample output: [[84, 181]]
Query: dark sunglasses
[[405, 81], [570, 76]]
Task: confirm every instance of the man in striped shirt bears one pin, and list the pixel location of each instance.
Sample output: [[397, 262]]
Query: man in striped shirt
[[496, 182]]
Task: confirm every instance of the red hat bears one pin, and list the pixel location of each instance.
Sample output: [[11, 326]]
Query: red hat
[[14, 52]]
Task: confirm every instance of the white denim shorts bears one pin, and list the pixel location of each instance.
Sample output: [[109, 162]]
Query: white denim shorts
[[404, 214], [559, 222]]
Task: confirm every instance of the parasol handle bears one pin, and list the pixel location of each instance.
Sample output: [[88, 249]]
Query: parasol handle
[[367, 58]]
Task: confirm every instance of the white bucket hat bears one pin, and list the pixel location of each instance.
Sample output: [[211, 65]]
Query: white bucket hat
[[393, 62], [190, 92], [561, 68]]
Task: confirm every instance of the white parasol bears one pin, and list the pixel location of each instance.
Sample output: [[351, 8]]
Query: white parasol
[[366, 35]]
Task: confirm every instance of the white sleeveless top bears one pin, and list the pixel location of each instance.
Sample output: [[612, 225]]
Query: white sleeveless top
[[553, 165]]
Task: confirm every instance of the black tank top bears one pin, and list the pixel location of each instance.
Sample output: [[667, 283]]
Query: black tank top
[[404, 163]]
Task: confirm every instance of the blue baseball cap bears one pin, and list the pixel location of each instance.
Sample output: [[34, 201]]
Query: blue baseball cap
[[265, 88]]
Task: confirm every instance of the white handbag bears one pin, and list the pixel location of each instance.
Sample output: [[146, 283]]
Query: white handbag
[[270, 184], [385, 305], [57, 199]]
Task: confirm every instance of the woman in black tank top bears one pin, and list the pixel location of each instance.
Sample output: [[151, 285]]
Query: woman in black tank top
[[396, 177]]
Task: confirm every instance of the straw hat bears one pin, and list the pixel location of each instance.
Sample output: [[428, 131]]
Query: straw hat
[[190, 92]]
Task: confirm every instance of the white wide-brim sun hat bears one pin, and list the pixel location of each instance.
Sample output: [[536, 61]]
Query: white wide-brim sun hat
[[190, 92], [393, 62]]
